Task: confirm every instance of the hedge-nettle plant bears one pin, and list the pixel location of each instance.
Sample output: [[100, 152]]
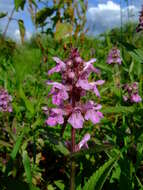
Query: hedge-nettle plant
[[140, 25], [5, 101], [131, 93], [67, 96], [114, 58]]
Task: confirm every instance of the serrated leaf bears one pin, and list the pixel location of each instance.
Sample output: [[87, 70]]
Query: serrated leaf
[[97, 148], [62, 30], [22, 30], [2, 15], [97, 180]]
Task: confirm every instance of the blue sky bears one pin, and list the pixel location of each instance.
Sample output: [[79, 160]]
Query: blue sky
[[101, 16]]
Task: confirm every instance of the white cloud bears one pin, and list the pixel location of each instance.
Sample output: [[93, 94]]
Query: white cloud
[[16, 35], [108, 15], [13, 29]]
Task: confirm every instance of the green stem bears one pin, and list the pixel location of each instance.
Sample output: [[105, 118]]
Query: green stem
[[116, 78], [72, 177]]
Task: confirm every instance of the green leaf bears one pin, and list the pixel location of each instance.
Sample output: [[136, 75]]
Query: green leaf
[[96, 148], [97, 180], [59, 184], [19, 4], [28, 104], [21, 29], [62, 149], [17, 145], [3, 14], [119, 109], [27, 167], [42, 15], [62, 30]]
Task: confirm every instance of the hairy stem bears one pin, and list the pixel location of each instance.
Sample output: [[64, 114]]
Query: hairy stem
[[73, 143], [72, 177]]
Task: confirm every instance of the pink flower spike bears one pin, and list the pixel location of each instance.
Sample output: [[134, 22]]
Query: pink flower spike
[[76, 120]]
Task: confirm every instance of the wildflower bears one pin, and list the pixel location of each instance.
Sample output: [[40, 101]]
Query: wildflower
[[59, 93], [55, 117], [81, 145], [83, 142], [67, 95], [5, 101], [114, 56], [131, 93], [140, 25]]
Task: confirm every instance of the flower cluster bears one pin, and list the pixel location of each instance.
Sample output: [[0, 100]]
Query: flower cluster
[[114, 56], [131, 93], [5, 101], [140, 25], [67, 94]]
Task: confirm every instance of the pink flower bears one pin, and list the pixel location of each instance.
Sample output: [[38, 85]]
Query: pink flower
[[114, 56], [59, 67], [140, 25], [58, 92], [76, 119], [94, 86], [84, 84], [5, 101], [81, 145], [131, 93], [135, 98], [83, 142], [92, 113], [55, 117]]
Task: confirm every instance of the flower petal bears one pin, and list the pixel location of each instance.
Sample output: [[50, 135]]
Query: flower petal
[[76, 120]]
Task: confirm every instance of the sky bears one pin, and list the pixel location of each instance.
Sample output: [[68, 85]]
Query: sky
[[102, 15]]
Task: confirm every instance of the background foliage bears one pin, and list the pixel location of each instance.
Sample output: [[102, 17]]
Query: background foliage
[[32, 155]]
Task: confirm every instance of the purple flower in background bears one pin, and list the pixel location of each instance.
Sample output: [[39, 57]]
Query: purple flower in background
[[130, 92], [140, 25], [135, 98], [5, 101], [114, 56]]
